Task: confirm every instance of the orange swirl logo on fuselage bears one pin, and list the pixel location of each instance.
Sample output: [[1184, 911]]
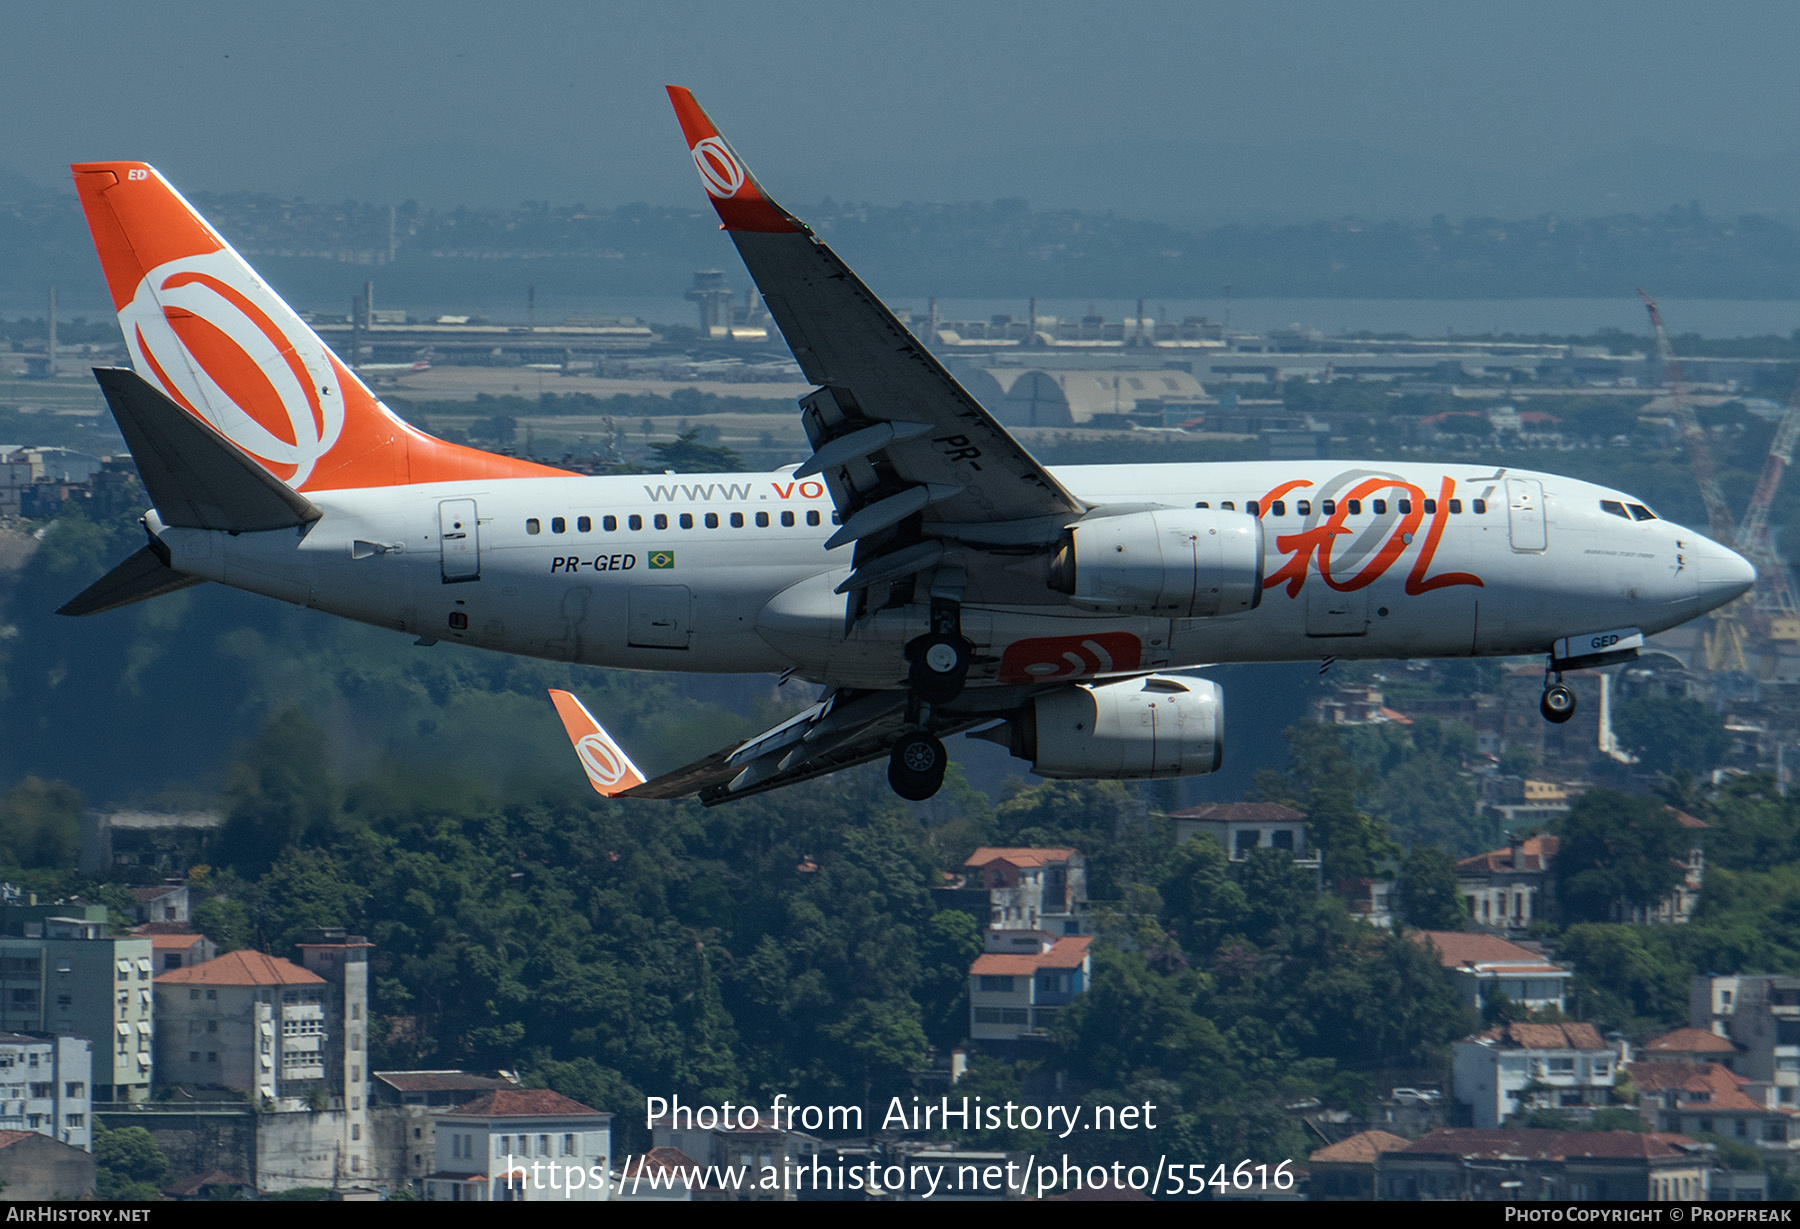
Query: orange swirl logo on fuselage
[[1370, 551], [225, 349], [604, 766], [720, 170]]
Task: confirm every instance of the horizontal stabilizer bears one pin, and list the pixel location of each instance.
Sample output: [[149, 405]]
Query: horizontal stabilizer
[[144, 575], [196, 477]]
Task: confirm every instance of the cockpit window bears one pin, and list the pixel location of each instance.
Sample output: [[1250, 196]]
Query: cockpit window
[[1639, 512], [1615, 507]]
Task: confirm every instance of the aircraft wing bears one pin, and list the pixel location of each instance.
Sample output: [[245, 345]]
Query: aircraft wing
[[842, 730], [908, 455]]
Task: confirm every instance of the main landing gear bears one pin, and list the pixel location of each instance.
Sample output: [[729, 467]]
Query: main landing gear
[[1558, 702], [937, 670]]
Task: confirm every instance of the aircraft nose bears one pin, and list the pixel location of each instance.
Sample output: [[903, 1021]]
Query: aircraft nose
[[1722, 574]]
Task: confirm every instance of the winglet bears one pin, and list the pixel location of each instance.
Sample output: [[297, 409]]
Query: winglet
[[740, 200], [608, 768]]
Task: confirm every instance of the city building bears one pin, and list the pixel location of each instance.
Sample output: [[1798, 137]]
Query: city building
[[1679, 905], [1486, 967], [45, 1086], [341, 961], [402, 1118], [1517, 1165], [1031, 889], [178, 949], [1024, 978], [34, 1167], [1243, 826], [1760, 1016], [1706, 1098], [167, 902], [1346, 1169], [61, 972], [661, 1175], [1690, 1045], [246, 1021], [1508, 889], [521, 1144], [734, 1144], [1520, 1067]]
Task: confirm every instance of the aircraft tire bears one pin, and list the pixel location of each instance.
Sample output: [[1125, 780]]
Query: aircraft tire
[[940, 667], [916, 766], [1558, 704]]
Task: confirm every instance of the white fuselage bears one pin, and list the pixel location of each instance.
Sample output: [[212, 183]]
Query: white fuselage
[[728, 573]]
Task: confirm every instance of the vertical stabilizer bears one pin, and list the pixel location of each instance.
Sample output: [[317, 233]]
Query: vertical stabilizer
[[206, 331]]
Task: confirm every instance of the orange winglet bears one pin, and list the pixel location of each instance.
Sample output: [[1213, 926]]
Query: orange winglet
[[609, 770], [740, 200]]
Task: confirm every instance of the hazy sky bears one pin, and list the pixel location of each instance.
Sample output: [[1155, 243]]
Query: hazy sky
[[861, 100]]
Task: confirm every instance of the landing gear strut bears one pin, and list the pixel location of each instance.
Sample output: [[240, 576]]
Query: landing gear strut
[[916, 765], [1558, 703], [939, 660]]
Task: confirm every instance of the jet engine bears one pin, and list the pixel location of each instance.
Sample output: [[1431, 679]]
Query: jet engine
[[1158, 726], [1178, 563]]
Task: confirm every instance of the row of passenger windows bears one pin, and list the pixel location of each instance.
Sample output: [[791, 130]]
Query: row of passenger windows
[[1329, 507], [685, 520], [1637, 513]]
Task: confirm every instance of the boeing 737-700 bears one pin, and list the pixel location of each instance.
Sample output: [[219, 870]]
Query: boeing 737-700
[[919, 566]]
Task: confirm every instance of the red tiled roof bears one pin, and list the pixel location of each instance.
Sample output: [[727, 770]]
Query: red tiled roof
[[1686, 820], [1458, 948], [242, 969], [1538, 852], [1016, 856], [1361, 1148], [442, 1081], [1708, 1085], [9, 1138], [1547, 1036], [199, 1182], [522, 1103], [1241, 812], [174, 942], [661, 1160], [1065, 954], [146, 895], [1690, 1041], [1548, 1145]]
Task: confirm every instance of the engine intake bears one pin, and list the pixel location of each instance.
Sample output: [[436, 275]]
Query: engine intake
[[1178, 563], [1158, 726]]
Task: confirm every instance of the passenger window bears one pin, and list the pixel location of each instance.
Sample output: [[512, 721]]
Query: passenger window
[[737, 520], [687, 520], [1480, 507], [532, 526], [557, 524], [812, 518], [584, 524], [1406, 507], [1202, 504], [1228, 505], [1329, 507], [762, 520], [1252, 508], [836, 519], [660, 521], [634, 522], [787, 520], [1455, 507], [1356, 507], [1431, 507], [1303, 507], [712, 520], [1381, 507], [609, 523], [1278, 508]]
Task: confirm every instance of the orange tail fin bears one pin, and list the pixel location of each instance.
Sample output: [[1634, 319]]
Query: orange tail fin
[[206, 330]]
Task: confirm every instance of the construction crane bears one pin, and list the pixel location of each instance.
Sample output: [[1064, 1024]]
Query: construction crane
[[1774, 595], [1723, 644]]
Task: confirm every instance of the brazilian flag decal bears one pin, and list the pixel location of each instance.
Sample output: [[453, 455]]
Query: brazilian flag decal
[[661, 559]]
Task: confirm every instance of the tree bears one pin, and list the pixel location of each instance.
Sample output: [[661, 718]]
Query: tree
[[1672, 735], [128, 1164], [1616, 848], [685, 454], [1426, 894]]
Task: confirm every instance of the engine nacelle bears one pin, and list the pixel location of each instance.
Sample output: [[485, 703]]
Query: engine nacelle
[[1173, 563], [1159, 726]]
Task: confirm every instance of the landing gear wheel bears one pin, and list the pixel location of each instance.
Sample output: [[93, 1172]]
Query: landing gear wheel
[[940, 666], [916, 766], [1558, 704]]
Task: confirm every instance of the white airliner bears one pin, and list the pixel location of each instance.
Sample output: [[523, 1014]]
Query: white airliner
[[920, 566]]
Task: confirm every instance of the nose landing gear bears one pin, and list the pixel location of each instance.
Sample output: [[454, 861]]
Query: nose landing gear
[[1558, 702]]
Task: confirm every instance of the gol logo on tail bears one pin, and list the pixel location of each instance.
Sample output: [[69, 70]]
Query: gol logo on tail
[[603, 765]]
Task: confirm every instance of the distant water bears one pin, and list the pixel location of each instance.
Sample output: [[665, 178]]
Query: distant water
[[1423, 318]]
